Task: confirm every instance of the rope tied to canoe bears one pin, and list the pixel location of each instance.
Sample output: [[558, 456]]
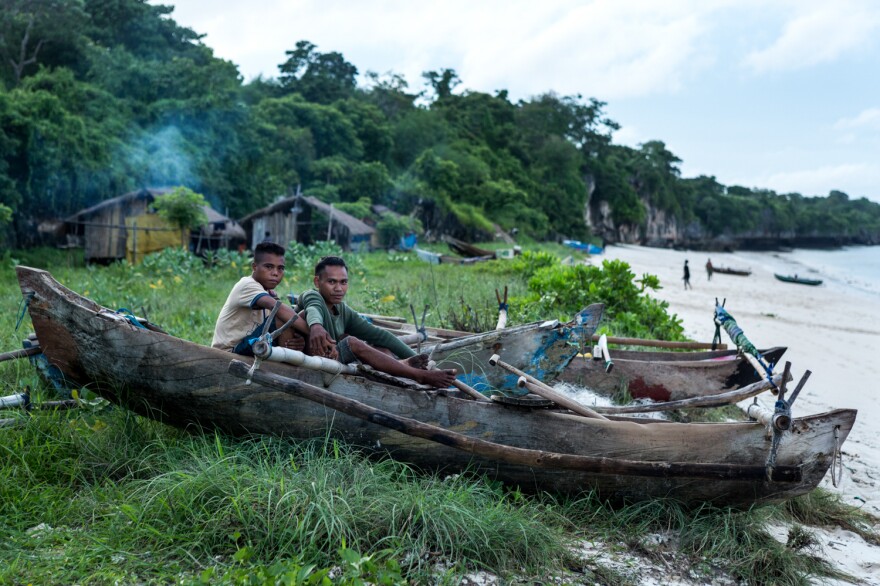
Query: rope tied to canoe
[[127, 314], [723, 319], [836, 459], [23, 307], [782, 407]]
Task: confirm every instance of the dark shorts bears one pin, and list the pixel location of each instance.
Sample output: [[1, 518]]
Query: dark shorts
[[346, 356], [244, 347]]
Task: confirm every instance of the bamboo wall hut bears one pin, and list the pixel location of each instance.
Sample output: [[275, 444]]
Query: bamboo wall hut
[[295, 219], [125, 227]]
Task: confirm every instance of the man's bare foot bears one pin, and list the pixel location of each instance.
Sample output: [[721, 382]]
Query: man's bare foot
[[419, 361], [437, 378]]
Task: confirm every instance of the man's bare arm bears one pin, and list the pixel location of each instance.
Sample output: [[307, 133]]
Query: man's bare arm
[[285, 312]]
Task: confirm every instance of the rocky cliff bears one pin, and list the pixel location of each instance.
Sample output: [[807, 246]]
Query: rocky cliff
[[662, 229]]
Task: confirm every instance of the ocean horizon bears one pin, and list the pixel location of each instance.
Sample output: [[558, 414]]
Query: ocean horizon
[[852, 267]]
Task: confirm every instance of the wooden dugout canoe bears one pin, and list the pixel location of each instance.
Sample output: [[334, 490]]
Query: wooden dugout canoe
[[184, 384], [665, 380], [466, 249], [541, 349], [732, 271], [798, 280]]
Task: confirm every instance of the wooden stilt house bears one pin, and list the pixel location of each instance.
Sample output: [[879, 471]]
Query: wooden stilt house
[[126, 227], [306, 219]]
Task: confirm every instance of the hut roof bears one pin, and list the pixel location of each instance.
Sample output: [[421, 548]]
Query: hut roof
[[152, 193], [354, 226], [127, 197]]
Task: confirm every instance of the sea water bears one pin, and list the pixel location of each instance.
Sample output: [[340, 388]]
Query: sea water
[[851, 267]]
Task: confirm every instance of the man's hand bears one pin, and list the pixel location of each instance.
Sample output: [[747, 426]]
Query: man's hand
[[296, 342], [320, 343]]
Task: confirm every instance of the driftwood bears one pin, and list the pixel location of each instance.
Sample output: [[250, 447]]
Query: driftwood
[[513, 455]]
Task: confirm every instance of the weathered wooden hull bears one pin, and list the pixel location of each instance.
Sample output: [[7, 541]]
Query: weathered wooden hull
[[678, 356], [184, 384], [671, 380], [729, 271], [466, 249], [541, 349], [435, 258]]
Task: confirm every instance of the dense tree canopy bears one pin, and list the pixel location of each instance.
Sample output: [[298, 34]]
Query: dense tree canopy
[[98, 97]]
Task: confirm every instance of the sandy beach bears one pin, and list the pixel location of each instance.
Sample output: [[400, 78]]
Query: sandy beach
[[832, 330]]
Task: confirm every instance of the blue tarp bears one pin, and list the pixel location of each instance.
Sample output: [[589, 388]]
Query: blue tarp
[[585, 247], [408, 242]]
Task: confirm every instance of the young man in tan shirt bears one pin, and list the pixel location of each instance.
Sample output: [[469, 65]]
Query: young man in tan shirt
[[249, 303]]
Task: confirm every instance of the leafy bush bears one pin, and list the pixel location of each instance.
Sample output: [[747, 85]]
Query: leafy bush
[[174, 261], [223, 257], [529, 262], [391, 228], [304, 257], [564, 290], [183, 209], [360, 209]]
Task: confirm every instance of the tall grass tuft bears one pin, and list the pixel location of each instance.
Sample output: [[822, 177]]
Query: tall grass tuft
[[737, 541], [154, 501], [825, 509]]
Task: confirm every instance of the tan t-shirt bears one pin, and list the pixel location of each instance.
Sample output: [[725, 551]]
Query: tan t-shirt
[[238, 318]]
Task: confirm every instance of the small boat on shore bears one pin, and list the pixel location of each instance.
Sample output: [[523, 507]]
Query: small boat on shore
[[798, 280], [623, 459], [732, 271], [466, 249], [435, 258]]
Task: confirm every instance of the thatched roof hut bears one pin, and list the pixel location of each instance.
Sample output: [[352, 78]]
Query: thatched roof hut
[[125, 226], [294, 219]]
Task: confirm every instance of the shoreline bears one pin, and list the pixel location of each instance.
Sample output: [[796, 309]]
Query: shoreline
[[831, 330]]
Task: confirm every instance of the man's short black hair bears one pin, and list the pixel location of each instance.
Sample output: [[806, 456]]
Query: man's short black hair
[[266, 247], [329, 261]]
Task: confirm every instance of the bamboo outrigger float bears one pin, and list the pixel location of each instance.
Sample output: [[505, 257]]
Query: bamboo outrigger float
[[182, 383]]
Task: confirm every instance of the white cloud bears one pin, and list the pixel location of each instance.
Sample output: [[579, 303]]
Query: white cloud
[[867, 119], [603, 48], [600, 48], [856, 179], [819, 32]]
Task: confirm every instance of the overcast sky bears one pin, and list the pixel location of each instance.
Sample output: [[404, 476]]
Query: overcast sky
[[782, 94]]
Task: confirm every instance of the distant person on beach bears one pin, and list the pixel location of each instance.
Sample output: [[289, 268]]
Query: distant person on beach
[[248, 305], [709, 270], [336, 331], [687, 276]]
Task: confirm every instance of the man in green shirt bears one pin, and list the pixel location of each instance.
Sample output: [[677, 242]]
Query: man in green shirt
[[336, 331]]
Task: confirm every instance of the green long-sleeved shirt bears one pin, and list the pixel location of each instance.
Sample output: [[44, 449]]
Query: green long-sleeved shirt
[[344, 320]]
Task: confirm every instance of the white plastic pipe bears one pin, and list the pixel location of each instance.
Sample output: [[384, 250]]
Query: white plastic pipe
[[16, 400], [297, 358]]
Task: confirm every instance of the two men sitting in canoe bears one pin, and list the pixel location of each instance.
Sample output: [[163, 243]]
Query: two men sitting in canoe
[[332, 328]]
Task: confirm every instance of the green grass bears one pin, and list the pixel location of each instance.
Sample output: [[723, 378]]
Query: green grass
[[98, 495]]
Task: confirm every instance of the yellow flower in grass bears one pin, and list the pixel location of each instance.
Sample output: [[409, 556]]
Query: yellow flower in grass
[[387, 299], [178, 279], [157, 285]]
